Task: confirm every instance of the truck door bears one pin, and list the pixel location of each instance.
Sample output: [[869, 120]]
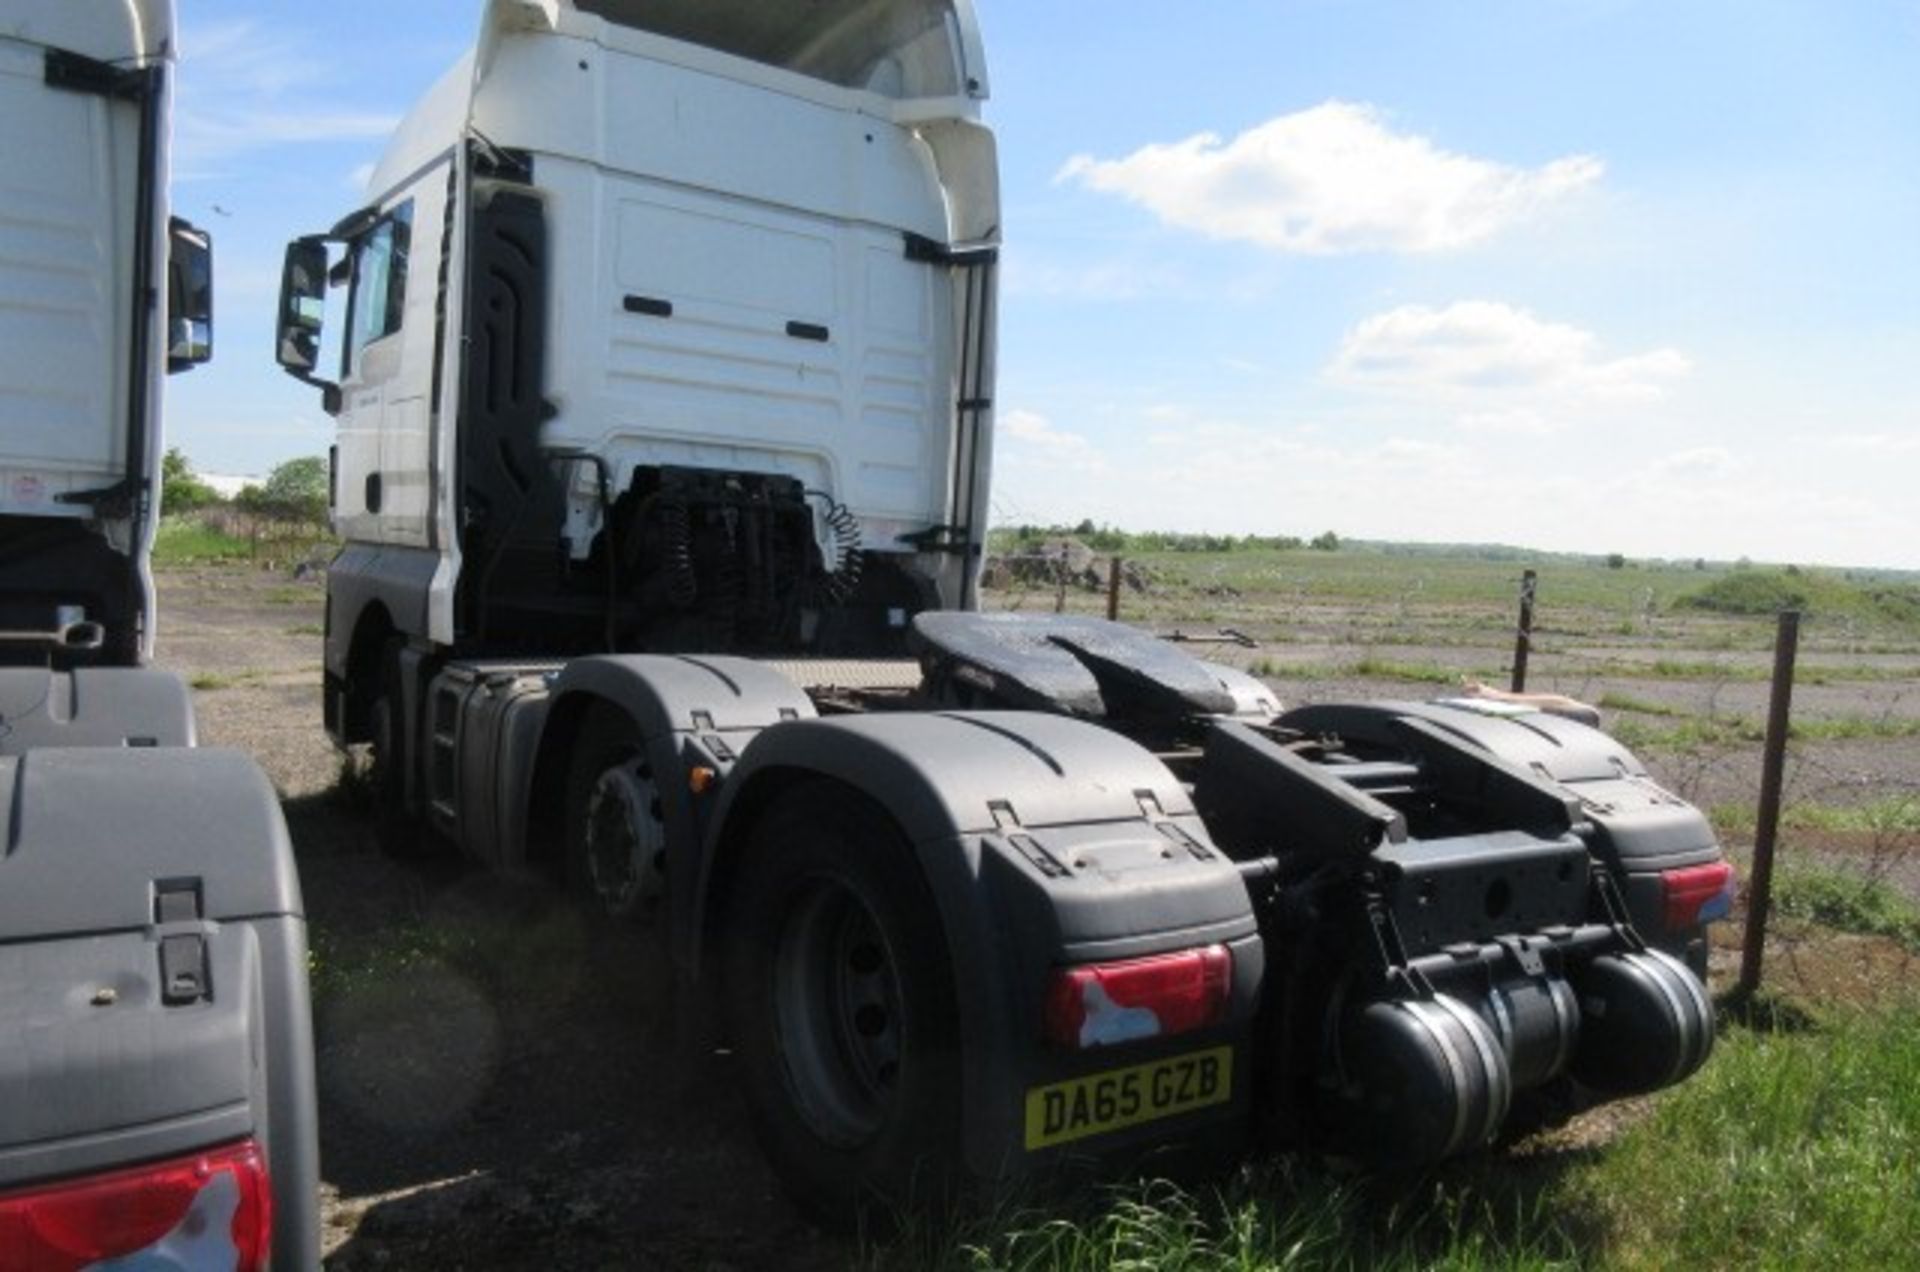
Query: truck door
[[384, 491]]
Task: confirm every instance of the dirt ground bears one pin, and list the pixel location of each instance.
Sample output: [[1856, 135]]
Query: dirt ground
[[498, 1084], [497, 1089]]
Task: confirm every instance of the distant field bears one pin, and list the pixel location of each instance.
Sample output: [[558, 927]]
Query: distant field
[[1677, 677], [1414, 596]]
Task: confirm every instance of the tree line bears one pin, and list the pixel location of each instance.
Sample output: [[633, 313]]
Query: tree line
[[1112, 539], [295, 490]]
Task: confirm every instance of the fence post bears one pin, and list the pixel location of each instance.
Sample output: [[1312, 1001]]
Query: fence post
[[1767, 822], [1523, 635], [1113, 590]]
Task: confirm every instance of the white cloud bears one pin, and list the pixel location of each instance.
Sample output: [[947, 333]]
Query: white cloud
[[1879, 443], [1333, 178], [244, 89], [1477, 346], [1032, 439], [1517, 422], [1696, 463]]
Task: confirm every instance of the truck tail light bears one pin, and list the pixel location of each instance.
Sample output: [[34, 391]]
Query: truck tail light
[[210, 1210], [1698, 894], [1099, 1004]]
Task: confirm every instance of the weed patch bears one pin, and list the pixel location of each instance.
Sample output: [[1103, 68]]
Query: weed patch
[[186, 541], [1709, 731], [1798, 1150], [1847, 902], [213, 681], [1374, 668], [1644, 706]]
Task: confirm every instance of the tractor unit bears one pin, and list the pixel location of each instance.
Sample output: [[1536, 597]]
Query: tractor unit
[[662, 356]]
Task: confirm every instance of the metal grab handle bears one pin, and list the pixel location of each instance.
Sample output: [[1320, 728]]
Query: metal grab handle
[[83, 634]]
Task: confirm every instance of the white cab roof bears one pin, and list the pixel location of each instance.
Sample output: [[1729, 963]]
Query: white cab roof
[[105, 30]]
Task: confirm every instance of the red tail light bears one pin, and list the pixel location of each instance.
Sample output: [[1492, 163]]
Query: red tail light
[[210, 1210], [1698, 894], [1099, 1004]]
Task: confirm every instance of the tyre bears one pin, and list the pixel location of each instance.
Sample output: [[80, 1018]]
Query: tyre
[[616, 829], [399, 833], [842, 1009]]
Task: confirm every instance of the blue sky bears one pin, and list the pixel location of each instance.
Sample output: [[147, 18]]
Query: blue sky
[[1597, 275]]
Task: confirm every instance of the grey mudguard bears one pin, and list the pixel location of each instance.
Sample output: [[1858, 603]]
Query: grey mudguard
[[668, 694], [153, 972], [93, 706], [1046, 841], [1252, 699], [689, 711], [1639, 825], [1065, 663], [395, 577]]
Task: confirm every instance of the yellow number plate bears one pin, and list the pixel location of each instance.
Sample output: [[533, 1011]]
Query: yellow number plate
[[1102, 1102]]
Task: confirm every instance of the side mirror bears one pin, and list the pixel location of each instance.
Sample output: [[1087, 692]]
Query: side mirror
[[303, 305], [189, 296], [303, 309]]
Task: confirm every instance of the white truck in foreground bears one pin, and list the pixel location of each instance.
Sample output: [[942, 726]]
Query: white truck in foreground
[[664, 387], [156, 1055]]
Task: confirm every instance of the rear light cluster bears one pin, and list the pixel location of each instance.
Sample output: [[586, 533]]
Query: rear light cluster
[[1099, 1004], [210, 1210], [1698, 894]]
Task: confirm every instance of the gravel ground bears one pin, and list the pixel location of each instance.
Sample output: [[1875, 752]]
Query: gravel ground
[[499, 1086]]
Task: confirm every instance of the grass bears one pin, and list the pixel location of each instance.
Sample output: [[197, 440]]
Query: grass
[[1850, 727], [212, 681], [1645, 706], [1694, 731], [1846, 901], [1789, 1150], [186, 541], [1280, 1213], [1371, 667], [1822, 594], [1888, 815], [1716, 671]]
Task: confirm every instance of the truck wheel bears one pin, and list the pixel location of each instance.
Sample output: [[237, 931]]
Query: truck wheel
[[398, 832], [616, 828], [841, 1003]]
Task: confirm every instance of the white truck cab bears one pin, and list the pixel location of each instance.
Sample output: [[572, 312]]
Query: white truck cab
[[666, 326], [86, 338]]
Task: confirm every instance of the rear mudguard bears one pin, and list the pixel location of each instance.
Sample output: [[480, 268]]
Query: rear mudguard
[[93, 706], [153, 972], [1634, 825], [689, 712], [1046, 841]]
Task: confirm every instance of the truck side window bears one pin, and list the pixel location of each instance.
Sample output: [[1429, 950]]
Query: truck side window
[[380, 279]]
